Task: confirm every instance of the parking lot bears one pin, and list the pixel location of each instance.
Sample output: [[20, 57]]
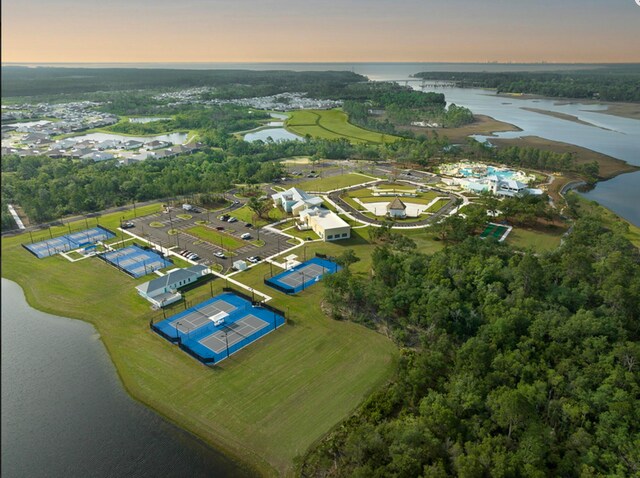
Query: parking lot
[[184, 240]]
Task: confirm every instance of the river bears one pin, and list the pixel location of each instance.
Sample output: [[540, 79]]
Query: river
[[608, 134], [65, 412]]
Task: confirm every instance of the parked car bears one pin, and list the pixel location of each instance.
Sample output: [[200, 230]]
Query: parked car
[[128, 225], [245, 236], [195, 257], [254, 259], [220, 228], [232, 219], [224, 217], [220, 255], [248, 225]]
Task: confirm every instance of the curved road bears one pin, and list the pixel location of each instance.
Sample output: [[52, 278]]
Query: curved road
[[358, 216]]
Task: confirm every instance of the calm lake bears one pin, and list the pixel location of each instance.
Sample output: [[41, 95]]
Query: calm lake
[[65, 412]]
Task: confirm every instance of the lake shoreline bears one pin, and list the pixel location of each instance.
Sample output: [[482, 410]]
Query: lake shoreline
[[76, 331]]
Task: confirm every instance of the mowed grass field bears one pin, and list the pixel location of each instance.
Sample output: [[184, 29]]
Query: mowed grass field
[[332, 124], [334, 182], [267, 404], [215, 237]]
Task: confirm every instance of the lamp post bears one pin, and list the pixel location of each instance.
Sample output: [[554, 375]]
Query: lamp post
[[303, 279]]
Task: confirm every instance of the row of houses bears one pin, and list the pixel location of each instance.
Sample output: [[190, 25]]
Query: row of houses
[[90, 150]]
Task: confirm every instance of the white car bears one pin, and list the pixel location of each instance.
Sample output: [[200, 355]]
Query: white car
[[246, 236], [219, 254], [232, 219], [253, 259]]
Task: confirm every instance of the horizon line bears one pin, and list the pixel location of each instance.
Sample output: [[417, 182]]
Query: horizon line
[[322, 62]]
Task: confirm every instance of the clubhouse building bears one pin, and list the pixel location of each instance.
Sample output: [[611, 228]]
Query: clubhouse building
[[326, 224], [164, 290]]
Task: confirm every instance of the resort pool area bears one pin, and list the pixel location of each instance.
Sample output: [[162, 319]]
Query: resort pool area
[[488, 171]]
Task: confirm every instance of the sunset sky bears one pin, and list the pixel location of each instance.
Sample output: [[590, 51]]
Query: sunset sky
[[320, 30]]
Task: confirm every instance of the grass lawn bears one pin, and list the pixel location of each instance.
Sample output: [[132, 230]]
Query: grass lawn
[[333, 182], [333, 124], [215, 237], [436, 206], [245, 214], [178, 262], [423, 238], [267, 404], [302, 234], [532, 239]]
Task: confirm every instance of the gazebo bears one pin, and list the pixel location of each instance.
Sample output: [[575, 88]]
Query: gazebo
[[396, 208]]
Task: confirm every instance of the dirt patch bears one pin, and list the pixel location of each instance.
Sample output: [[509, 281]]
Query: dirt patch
[[484, 125], [563, 116]]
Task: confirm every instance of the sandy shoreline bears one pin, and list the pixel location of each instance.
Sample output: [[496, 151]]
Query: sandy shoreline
[[562, 116], [622, 109]]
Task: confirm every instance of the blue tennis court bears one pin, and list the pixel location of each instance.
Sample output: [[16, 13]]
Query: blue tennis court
[[302, 276], [69, 242], [219, 327], [135, 260]]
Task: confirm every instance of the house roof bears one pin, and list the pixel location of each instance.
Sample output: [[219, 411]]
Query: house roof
[[396, 204], [153, 287]]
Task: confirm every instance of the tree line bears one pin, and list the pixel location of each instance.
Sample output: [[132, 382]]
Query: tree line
[[610, 83]]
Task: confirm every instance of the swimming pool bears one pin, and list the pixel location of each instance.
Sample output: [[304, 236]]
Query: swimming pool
[[488, 171]]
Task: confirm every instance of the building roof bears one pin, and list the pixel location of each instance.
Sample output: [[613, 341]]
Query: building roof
[[325, 219], [153, 287], [396, 204]]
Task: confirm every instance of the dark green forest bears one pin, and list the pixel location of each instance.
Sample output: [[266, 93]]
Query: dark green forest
[[513, 364], [50, 81], [609, 83]]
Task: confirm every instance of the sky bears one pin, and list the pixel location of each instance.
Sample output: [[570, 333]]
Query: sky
[[580, 31]]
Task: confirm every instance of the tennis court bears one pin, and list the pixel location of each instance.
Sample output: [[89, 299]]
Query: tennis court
[[200, 315], [219, 327], [135, 260], [497, 231], [302, 276], [69, 242]]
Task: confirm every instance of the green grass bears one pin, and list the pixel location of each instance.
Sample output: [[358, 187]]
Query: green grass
[[215, 237], [332, 124], [302, 234], [532, 239], [245, 214], [423, 238], [267, 404], [436, 206], [333, 182]]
